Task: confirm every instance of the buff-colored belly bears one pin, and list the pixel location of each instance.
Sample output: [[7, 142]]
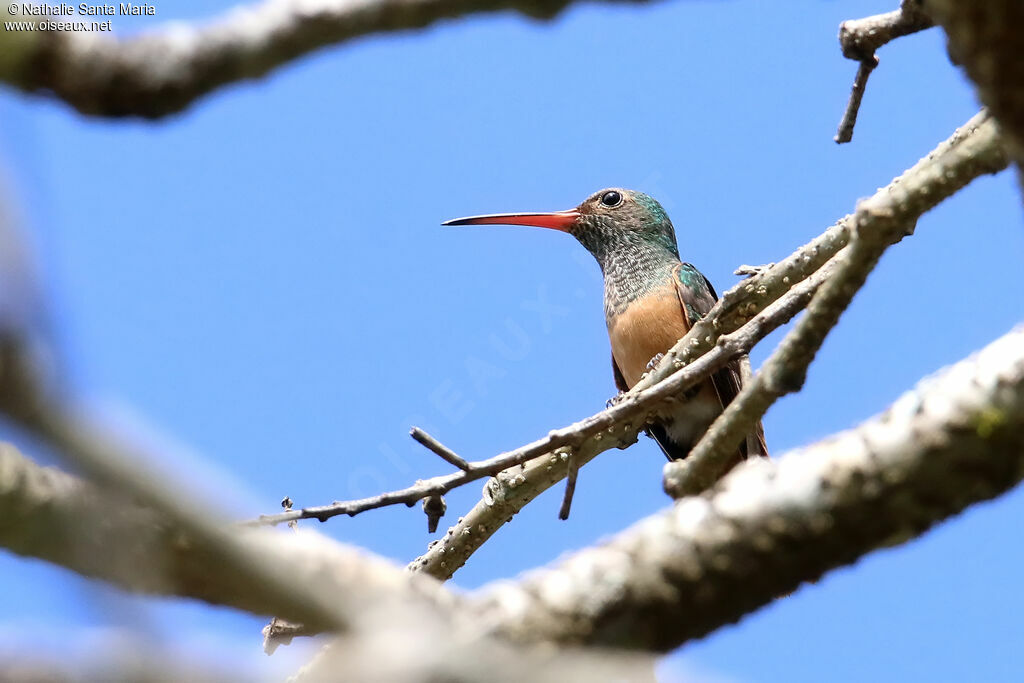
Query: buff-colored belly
[[646, 328]]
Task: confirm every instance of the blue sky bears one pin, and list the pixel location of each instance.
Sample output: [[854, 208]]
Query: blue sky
[[261, 287]]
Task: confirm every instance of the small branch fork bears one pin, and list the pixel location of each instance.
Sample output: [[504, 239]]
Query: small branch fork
[[424, 488], [445, 453], [860, 38]]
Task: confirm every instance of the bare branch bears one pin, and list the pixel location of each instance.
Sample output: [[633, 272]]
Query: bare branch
[[165, 71], [955, 440], [877, 224], [860, 38], [423, 648], [445, 453], [697, 354], [572, 471], [717, 557], [860, 84], [435, 486], [511, 490]]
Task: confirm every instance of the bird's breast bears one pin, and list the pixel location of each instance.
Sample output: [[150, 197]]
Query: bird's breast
[[646, 327]]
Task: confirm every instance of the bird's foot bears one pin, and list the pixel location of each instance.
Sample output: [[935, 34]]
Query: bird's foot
[[615, 400], [751, 271], [653, 363]]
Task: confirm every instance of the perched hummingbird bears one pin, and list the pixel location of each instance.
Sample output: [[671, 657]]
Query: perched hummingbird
[[651, 299]]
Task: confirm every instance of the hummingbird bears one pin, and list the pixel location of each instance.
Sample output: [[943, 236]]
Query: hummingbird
[[651, 299]]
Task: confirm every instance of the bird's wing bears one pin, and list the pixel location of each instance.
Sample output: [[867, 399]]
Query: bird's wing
[[696, 297], [620, 381]]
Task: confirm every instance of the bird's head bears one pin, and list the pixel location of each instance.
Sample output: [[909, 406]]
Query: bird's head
[[608, 223]]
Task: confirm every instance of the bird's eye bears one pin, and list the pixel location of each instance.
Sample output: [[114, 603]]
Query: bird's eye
[[611, 198]]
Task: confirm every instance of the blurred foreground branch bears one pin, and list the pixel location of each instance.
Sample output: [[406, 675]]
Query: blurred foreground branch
[[986, 38], [101, 532], [166, 70]]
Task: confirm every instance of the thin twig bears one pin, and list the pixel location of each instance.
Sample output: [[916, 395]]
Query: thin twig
[[432, 444], [860, 38], [860, 84], [570, 487]]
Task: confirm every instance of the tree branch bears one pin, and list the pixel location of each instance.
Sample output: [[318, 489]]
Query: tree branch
[[165, 71], [985, 38], [510, 491], [860, 84], [439, 449], [132, 527], [100, 533], [877, 224], [860, 38], [956, 439]]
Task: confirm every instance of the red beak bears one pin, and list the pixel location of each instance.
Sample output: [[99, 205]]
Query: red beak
[[556, 220]]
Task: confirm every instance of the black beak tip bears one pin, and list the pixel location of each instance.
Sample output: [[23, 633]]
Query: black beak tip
[[454, 221]]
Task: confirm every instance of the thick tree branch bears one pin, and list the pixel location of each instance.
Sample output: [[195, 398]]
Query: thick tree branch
[[123, 658], [423, 649], [134, 528], [744, 300], [877, 224], [100, 533], [510, 491], [957, 439], [859, 38], [439, 449], [860, 85], [986, 38], [163, 72]]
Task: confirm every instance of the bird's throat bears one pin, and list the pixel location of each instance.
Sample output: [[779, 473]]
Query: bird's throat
[[634, 272]]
